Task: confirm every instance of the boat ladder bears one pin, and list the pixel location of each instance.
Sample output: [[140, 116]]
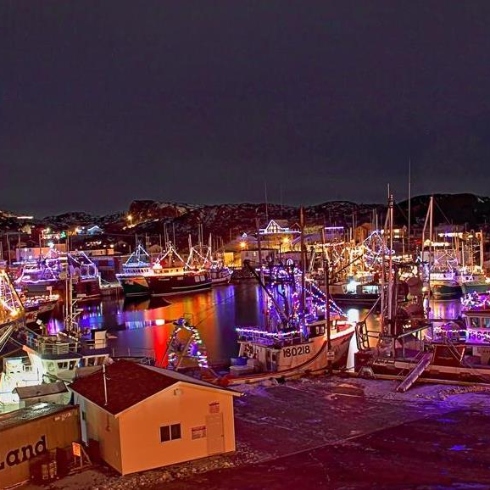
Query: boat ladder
[[364, 336], [415, 373]]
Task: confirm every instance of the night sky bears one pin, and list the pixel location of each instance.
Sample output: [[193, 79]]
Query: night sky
[[208, 102]]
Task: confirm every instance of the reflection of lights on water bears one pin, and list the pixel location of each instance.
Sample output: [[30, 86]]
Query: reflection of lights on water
[[445, 309]]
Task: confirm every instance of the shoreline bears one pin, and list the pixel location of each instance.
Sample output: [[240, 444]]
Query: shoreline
[[278, 422]]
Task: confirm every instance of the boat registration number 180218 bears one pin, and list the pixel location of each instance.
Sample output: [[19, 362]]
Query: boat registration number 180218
[[296, 351]]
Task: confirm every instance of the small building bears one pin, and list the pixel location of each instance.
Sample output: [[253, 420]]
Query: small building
[[142, 417], [55, 392], [34, 435]]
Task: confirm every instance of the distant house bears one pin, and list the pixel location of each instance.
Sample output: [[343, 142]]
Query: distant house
[[144, 417], [94, 230]]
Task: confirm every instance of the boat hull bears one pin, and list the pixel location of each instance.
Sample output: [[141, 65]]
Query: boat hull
[[134, 286], [220, 277], [167, 285], [87, 289], [446, 291], [470, 287], [294, 360], [42, 312], [348, 299]]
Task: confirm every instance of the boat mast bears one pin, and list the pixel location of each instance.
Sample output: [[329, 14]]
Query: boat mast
[[482, 244], [387, 279], [303, 268], [326, 268], [391, 281], [429, 220], [409, 204]]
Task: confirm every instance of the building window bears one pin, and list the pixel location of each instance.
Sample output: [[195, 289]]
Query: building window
[[170, 432]]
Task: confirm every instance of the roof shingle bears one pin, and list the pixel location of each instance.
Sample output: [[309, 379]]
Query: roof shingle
[[128, 383]]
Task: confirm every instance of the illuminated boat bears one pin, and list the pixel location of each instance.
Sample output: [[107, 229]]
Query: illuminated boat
[[304, 332], [48, 275], [411, 345], [132, 278], [171, 275], [473, 281], [220, 274], [39, 308], [444, 285], [353, 293]]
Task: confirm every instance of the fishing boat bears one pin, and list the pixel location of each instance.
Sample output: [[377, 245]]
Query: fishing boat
[[440, 262], [47, 275], [133, 276], [414, 346], [296, 339], [39, 308], [203, 257], [304, 331], [444, 284], [471, 273], [61, 354], [171, 275], [220, 274], [353, 293], [473, 281]]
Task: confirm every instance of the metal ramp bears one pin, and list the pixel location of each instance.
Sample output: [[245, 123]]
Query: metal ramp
[[415, 373]]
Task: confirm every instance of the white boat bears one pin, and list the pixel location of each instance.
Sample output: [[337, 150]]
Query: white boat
[[292, 344], [48, 357], [473, 281], [132, 278], [220, 273], [47, 275], [304, 332]]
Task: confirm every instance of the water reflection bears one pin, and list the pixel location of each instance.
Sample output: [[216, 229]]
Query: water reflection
[[144, 326], [445, 310]]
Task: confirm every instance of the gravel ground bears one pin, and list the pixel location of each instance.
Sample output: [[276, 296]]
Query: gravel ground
[[334, 432]]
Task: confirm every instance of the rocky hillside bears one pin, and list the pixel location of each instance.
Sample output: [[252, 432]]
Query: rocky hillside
[[226, 221]]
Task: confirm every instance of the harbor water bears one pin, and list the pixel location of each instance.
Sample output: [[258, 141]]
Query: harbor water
[[143, 327]]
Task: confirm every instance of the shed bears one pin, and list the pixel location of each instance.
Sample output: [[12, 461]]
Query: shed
[[35, 432], [56, 392], [142, 417]]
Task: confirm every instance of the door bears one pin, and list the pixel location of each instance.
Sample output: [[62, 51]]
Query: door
[[215, 433]]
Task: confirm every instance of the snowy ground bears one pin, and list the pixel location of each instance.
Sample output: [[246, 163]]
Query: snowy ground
[[274, 420]]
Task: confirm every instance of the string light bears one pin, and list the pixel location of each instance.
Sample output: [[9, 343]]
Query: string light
[[288, 293]]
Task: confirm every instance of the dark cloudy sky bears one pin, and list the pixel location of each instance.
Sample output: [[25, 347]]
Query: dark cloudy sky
[[200, 101]]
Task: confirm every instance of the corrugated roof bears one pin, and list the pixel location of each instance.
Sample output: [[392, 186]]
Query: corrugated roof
[[129, 383], [24, 415]]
